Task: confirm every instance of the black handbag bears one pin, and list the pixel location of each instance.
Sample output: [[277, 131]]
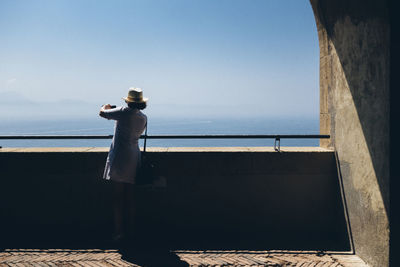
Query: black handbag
[[146, 172]]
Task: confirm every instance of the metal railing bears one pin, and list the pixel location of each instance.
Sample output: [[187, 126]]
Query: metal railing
[[277, 142]]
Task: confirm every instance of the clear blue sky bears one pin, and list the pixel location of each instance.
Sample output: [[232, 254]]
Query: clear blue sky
[[224, 56]]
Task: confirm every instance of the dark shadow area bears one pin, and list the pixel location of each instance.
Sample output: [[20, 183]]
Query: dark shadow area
[[152, 258], [394, 133], [213, 201], [150, 252], [344, 203], [279, 205]]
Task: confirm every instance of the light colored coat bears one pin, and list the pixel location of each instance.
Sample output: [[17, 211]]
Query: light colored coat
[[124, 156]]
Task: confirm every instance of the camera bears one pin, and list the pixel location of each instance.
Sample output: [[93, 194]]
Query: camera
[[112, 106]]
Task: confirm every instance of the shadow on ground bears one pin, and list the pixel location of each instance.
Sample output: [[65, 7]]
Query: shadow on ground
[[151, 257]]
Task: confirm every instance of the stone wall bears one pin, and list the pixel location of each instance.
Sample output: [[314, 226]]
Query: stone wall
[[355, 101]]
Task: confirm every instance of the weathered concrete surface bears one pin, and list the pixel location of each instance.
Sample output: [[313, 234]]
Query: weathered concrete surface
[[230, 198], [354, 40]]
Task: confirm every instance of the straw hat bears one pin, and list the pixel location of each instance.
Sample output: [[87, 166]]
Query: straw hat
[[135, 95]]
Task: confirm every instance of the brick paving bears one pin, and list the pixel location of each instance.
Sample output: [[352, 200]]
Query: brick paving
[[99, 257]]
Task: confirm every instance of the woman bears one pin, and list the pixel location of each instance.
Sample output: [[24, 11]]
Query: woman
[[124, 157]]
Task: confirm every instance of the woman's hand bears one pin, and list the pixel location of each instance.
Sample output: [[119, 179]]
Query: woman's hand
[[108, 106], [103, 108]]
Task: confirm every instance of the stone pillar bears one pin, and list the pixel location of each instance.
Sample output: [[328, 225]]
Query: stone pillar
[[354, 38]]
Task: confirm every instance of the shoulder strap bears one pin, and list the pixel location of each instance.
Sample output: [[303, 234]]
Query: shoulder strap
[[145, 138]]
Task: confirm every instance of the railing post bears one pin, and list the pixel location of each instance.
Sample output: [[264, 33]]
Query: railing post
[[277, 139]]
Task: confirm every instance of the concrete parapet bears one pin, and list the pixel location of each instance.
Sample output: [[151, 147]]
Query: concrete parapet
[[231, 198]]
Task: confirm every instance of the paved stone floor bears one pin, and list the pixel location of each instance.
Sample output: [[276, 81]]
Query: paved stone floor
[[98, 257]]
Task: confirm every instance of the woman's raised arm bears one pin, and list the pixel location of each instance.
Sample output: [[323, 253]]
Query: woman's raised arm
[[110, 113]]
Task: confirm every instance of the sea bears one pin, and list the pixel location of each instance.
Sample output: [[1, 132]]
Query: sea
[[162, 125]]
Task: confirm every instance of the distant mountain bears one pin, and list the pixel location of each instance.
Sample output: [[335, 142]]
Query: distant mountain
[[17, 106], [11, 97], [68, 101]]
